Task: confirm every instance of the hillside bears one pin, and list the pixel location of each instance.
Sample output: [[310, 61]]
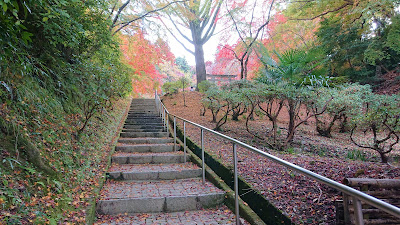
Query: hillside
[[303, 200]]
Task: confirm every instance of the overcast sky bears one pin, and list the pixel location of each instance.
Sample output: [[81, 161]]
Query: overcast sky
[[210, 49]]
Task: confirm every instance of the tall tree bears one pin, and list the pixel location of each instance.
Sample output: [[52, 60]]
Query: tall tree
[[200, 17]]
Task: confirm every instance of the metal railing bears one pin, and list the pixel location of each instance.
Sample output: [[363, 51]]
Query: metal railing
[[357, 196]]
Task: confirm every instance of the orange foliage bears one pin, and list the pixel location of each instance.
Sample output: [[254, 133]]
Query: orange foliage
[[144, 57]]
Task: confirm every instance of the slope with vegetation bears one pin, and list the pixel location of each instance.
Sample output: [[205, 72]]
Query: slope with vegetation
[[60, 103]]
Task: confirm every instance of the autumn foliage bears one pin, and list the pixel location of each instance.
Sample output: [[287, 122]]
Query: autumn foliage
[[145, 58]]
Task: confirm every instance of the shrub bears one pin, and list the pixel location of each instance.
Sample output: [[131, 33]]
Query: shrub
[[204, 86], [379, 116], [342, 103], [171, 87]]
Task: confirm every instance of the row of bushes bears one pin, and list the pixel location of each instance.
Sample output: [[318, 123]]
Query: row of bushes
[[352, 107]]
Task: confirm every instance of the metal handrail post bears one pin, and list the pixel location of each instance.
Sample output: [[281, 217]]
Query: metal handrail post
[[236, 184], [184, 141], [159, 106], [167, 118], [162, 116], [155, 99], [174, 133], [202, 157], [358, 215]]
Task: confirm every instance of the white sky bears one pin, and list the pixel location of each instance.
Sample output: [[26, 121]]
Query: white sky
[[209, 48]]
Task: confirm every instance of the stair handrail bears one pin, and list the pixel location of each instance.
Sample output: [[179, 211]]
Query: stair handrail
[[357, 196]]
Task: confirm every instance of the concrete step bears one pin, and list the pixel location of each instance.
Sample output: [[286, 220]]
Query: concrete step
[[149, 123], [145, 140], [144, 120], [144, 115], [143, 126], [214, 216], [154, 171], [143, 134], [157, 196], [145, 111], [141, 103], [144, 130], [146, 147], [143, 100], [149, 158], [143, 107]]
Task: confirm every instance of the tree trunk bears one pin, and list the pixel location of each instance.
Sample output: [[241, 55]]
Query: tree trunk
[[384, 157], [343, 123], [241, 69], [200, 64], [291, 112]]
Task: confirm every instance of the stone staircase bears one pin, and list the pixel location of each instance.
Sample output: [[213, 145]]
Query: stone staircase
[[148, 179]]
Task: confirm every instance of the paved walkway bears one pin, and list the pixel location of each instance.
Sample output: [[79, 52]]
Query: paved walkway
[[150, 183]]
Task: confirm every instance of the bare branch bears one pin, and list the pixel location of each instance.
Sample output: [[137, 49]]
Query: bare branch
[[313, 114], [119, 13], [142, 16], [204, 14], [112, 10], [234, 23], [233, 51], [179, 31], [173, 35], [212, 26], [354, 142], [324, 13], [252, 17]]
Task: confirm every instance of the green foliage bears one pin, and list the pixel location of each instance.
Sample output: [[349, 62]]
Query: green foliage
[[393, 34], [183, 64], [204, 86], [184, 82], [380, 117], [385, 48], [343, 101], [293, 66], [356, 155], [355, 53], [171, 87], [213, 101]]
